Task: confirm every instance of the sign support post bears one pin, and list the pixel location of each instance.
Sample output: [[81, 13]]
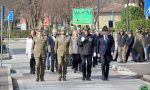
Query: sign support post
[[9, 18], [2, 17]]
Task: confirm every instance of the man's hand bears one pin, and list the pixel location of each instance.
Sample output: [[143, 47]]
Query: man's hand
[[98, 55], [82, 39], [112, 53], [94, 54]]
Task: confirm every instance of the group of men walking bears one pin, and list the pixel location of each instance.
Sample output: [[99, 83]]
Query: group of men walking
[[81, 46], [85, 49]]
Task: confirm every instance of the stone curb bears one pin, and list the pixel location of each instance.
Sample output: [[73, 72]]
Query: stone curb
[[10, 85], [10, 80], [131, 73], [146, 77]]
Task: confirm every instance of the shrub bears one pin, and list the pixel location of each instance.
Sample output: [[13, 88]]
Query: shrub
[[16, 33], [136, 19], [135, 13]]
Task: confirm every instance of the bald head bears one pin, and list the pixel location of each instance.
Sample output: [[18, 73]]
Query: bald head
[[54, 31]]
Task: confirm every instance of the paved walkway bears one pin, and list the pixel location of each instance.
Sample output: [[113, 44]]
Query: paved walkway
[[5, 79], [25, 81], [140, 68]]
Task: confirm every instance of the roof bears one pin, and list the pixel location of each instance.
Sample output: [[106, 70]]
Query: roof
[[112, 7]]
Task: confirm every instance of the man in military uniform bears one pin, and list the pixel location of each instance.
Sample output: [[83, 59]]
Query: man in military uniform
[[62, 50], [40, 42]]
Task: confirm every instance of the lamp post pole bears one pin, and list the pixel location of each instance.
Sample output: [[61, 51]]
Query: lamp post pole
[[127, 16], [98, 14]]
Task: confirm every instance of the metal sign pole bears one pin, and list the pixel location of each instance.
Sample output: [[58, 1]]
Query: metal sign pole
[[2, 16], [8, 38]]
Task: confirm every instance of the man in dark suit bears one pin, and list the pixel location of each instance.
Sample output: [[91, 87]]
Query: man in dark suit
[[86, 44], [122, 40], [105, 50], [130, 42], [52, 39], [95, 57]]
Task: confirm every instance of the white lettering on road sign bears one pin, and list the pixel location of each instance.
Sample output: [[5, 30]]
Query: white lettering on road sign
[[148, 11]]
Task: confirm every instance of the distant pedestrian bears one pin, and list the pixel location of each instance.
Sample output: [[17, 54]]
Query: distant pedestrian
[[62, 51], [86, 44], [40, 42], [29, 42], [138, 46], [53, 55], [95, 57], [122, 41], [130, 42], [146, 35], [74, 50], [105, 51]]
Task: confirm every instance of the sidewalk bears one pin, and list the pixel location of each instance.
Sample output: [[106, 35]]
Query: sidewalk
[[5, 79], [140, 70]]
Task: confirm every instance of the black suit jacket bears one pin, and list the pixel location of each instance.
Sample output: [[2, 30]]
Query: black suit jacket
[[86, 47], [130, 41], [105, 48], [52, 43]]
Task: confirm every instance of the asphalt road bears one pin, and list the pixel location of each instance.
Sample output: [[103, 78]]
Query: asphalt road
[[25, 81]]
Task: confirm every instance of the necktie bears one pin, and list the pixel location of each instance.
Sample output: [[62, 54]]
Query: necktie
[[105, 38]]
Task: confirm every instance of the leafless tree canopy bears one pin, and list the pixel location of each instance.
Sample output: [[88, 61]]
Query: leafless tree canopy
[[58, 10]]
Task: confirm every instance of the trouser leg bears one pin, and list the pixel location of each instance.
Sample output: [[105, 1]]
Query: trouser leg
[[120, 54], [65, 61], [47, 61], [83, 58], [59, 65], [31, 65], [42, 68], [74, 61], [108, 59], [103, 66], [52, 61], [89, 65], [128, 53], [124, 53], [56, 62], [37, 67]]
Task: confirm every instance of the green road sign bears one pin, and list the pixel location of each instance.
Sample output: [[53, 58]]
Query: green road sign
[[82, 16]]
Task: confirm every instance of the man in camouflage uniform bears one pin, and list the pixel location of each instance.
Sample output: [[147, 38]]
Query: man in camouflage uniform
[[39, 45], [62, 50]]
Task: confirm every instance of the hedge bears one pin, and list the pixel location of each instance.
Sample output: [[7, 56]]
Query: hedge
[[142, 24], [136, 19], [17, 33]]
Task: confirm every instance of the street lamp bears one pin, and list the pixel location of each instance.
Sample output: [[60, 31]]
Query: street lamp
[[127, 15], [98, 14]]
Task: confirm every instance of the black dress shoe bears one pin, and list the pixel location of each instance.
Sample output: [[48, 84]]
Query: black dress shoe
[[88, 79], [83, 78], [37, 79], [52, 70], [59, 79], [75, 71], [105, 79], [48, 68], [33, 72], [42, 80], [64, 79]]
